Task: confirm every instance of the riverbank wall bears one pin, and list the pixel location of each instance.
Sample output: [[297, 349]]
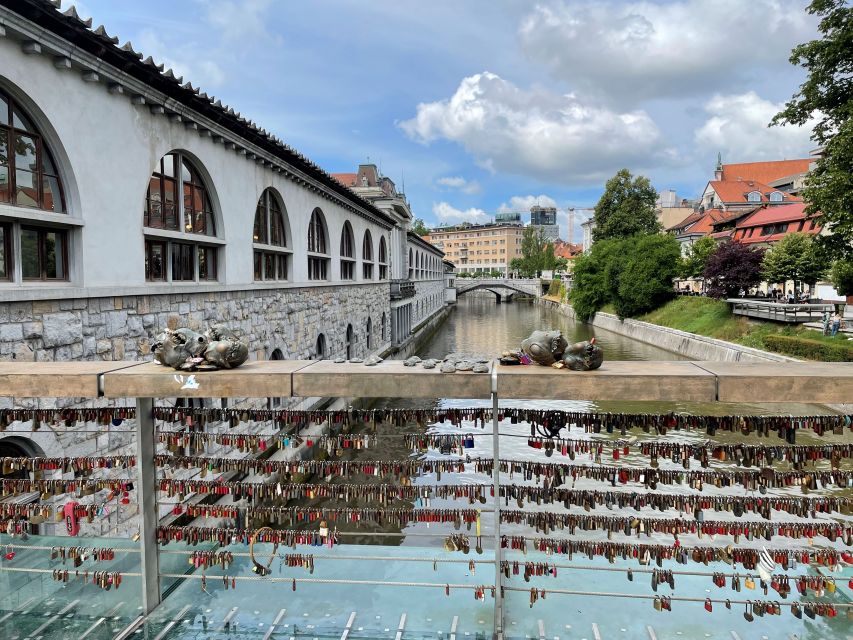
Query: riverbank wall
[[420, 335], [690, 345]]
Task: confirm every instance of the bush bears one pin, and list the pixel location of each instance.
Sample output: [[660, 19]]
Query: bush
[[810, 349]]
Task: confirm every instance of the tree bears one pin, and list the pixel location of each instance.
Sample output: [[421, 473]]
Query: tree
[[645, 280], [537, 254], [795, 257], [693, 264], [842, 277], [733, 266], [419, 227], [626, 208], [590, 290], [827, 96]]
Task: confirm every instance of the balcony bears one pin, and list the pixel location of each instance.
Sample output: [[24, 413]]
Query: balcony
[[402, 289], [367, 584]]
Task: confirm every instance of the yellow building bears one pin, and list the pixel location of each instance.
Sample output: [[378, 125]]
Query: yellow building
[[478, 248]]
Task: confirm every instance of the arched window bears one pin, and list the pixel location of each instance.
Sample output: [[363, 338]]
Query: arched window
[[411, 265], [776, 196], [320, 347], [369, 334], [753, 196], [347, 253], [176, 192], [28, 178], [382, 329], [367, 256], [318, 253], [350, 342], [269, 239], [383, 259]]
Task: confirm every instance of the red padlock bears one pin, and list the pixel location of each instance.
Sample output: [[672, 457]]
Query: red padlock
[[72, 523]]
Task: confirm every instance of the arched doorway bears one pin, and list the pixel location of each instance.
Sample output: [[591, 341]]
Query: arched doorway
[[350, 342]]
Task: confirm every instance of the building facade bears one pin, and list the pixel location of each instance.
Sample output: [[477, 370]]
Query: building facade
[[417, 274], [480, 248], [545, 218]]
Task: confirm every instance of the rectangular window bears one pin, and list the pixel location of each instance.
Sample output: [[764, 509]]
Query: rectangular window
[[155, 260], [281, 262], [367, 271], [207, 263], [318, 268], [259, 265], [383, 272], [43, 254], [347, 270], [183, 259]]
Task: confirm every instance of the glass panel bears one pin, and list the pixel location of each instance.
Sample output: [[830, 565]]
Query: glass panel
[[259, 274], [4, 184], [277, 229], [26, 188], [167, 165], [54, 255], [20, 121], [183, 262], [4, 239], [51, 195], [25, 153], [155, 253], [47, 163], [282, 267], [269, 266], [4, 110], [30, 254], [186, 171], [4, 142], [206, 263], [170, 207], [259, 233]]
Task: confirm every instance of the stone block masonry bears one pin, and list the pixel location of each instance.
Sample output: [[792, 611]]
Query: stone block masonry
[[122, 328]]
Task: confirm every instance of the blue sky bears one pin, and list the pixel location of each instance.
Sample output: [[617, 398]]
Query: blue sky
[[490, 105]]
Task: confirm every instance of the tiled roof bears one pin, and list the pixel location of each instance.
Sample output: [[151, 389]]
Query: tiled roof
[[346, 179], [765, 171], [769, 215], [125, 59], [702, 226], [566, 250], [735, 191], [693, 217]]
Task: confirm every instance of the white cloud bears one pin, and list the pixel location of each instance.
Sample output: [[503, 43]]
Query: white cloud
[[239, 21], [468, 187], [185, 60], [737, 127], [446, 212], [523, 203], [628, 51], [536, 132]]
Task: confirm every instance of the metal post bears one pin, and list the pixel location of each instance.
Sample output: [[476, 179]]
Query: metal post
[[146, 492], [496, 454]]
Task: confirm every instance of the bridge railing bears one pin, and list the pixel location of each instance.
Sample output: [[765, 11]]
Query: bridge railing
[[780, 311], [149, 569]]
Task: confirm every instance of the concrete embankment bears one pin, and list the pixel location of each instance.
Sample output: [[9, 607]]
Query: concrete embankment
[[690, 345]]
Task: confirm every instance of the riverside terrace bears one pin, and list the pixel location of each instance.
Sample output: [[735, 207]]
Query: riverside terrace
[[159, 597]]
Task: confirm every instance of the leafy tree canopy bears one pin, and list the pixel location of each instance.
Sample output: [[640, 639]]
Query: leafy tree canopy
[[733, 266], [693, 264], [842, 277], [419, 227], [537, 254], [626, 208], [827, 97], [795, 257]]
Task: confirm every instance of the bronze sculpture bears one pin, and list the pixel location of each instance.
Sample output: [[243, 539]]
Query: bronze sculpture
[[188, 350], [550, 348]]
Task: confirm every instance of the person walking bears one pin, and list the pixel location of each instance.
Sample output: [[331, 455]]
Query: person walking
[[827, 319], [836, 323]]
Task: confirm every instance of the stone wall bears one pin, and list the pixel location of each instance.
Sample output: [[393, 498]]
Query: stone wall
[[122, 328]]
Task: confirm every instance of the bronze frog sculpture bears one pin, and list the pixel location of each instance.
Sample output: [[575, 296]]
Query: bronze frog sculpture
[[188, 350], [550, 348]]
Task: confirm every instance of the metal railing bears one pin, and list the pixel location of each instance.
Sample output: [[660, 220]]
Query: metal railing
[[795, 313]]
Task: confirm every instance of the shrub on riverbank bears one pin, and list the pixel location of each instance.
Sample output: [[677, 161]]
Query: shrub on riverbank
[[810, 349]]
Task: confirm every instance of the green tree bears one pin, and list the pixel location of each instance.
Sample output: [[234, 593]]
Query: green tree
[[590, 290], [644, 282], [533, 248], [626, 208], [795, 257], [827, 96], [419, 227], [693, 264], [842, 277]]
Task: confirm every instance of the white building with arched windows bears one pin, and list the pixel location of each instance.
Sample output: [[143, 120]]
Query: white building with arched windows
[[131, 201]]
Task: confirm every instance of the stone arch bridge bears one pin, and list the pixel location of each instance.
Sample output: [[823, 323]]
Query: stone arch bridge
[[503, 288]]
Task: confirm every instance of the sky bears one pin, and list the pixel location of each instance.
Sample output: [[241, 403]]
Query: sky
[[485, 106]]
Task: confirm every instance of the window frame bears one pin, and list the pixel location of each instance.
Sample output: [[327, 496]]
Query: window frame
[[367, 255], [7, 264], [318, 247], [8, 131], [383, 258], [264, 248], [347, 252], [41, 251]]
